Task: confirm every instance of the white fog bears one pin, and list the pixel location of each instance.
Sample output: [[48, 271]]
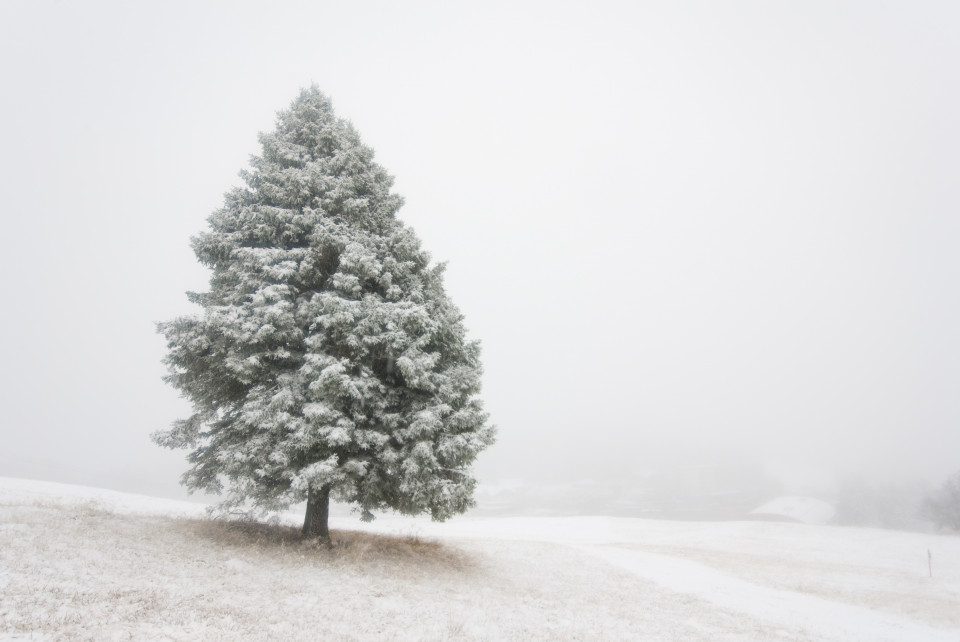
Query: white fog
[[709, 249], [680, 230]]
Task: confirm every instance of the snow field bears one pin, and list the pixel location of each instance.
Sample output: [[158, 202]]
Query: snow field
[[84, 564]]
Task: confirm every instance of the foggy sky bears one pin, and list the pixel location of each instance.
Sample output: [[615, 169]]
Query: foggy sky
[[682, 230]]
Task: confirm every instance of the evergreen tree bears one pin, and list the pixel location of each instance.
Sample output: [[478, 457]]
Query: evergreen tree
[[328, 360]]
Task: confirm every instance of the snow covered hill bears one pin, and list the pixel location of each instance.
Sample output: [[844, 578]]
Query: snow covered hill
[[79, 563]]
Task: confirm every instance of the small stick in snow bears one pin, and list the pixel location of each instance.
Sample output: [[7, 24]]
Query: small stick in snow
[[930, 561]]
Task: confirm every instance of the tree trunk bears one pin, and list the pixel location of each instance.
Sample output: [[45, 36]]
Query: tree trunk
[[318, 512]]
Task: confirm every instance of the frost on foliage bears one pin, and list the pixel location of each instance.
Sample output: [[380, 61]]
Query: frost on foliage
[[327, 352]]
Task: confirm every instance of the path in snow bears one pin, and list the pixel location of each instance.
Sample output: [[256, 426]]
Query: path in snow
[[793, 611], [851, 584]]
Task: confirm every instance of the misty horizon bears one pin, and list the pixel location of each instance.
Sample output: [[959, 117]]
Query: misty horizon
[[684, 234]]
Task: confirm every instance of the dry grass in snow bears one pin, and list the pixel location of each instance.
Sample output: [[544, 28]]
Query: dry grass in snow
[[78, 572], [76, 566]]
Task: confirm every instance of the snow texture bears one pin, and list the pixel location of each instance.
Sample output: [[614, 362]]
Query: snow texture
[[137, 573]]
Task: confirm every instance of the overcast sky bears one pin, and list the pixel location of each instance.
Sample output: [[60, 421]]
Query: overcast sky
[[680, 229]]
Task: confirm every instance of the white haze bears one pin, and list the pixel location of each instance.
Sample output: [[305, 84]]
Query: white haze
[[682, 230]]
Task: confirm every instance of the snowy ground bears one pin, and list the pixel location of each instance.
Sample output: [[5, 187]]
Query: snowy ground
[[79, 563]]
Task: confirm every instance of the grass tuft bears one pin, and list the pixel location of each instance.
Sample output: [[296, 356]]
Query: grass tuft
[[345, 549]]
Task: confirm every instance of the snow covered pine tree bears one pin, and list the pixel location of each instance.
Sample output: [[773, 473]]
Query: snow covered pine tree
[[328, 360]]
